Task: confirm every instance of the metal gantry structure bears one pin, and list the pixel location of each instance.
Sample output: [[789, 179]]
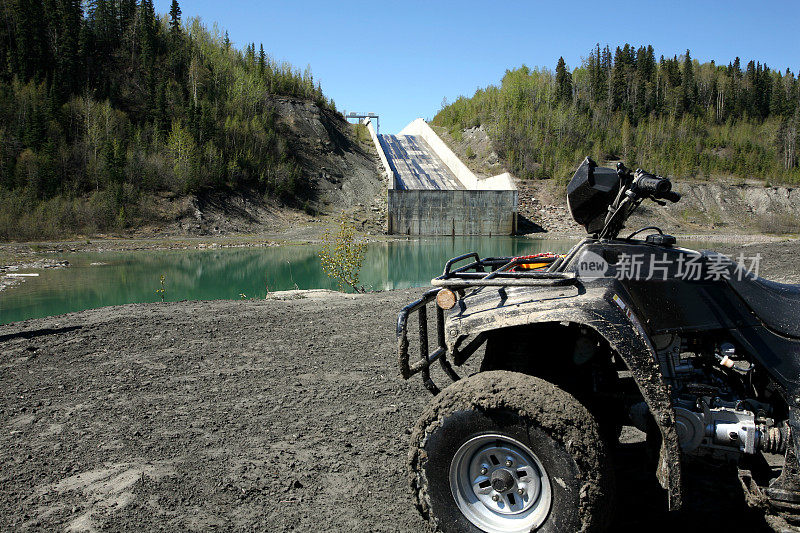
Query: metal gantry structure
[[362, 116]]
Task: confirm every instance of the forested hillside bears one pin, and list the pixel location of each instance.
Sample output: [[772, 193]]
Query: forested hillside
[[672, 115], [104, 102]]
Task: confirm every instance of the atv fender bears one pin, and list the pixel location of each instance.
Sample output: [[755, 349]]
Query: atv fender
[[794, 423], [601, 309]]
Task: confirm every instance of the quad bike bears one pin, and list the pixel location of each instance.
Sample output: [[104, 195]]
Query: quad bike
[[692, 348]]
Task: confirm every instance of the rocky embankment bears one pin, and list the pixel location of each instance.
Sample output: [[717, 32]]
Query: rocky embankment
[[341, 170], [720, 206], [726, 206], [716, 210]]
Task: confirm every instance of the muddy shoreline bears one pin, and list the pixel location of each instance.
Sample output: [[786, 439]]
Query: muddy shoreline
[[309, 235]]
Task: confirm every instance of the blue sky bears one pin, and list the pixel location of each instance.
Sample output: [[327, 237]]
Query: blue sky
[[400, 59]]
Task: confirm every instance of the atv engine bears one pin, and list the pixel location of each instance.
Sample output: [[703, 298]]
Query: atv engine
[[714, 414], [716, 425]]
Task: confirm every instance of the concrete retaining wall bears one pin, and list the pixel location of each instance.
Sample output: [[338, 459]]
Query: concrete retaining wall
[[381, 154], [500, 182], [427, 212]]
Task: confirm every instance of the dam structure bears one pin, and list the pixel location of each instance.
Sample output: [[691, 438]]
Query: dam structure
[[432, 192]]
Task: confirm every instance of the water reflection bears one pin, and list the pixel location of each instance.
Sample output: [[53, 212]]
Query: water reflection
[[133, 277], [413, 263]]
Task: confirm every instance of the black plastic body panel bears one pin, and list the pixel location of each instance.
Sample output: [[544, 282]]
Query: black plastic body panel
[[668, 304], [589, 193]]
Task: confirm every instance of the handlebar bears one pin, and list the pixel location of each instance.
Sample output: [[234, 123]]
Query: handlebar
[[634, 188], [655, 186]]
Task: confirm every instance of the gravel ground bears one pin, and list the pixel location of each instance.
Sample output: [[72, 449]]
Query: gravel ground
[[285, 415]]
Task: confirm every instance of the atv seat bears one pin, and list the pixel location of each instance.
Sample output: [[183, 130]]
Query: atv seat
[[776, 304]]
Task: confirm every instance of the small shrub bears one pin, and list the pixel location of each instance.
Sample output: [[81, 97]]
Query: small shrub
[[362, 133], [162, 290], [342, 254]]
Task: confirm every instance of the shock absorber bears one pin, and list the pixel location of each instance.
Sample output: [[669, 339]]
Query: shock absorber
[[774, 439]]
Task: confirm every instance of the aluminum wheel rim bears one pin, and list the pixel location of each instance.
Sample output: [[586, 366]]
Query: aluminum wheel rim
[[500, 485]]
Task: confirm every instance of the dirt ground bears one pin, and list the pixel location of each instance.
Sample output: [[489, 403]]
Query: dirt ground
[[279, 415]]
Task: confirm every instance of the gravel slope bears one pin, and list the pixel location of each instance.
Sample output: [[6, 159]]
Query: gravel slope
[[281, 415]]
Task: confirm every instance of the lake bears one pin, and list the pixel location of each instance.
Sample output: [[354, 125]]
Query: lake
[[113, 278]]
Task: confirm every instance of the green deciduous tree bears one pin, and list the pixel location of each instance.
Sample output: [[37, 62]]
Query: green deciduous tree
[[342, 254], [185, 161]]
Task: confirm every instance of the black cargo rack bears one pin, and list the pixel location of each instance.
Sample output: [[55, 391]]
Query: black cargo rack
[[487, 272], [503, 271]]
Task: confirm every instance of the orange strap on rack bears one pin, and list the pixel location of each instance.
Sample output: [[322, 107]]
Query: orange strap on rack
[[535, 266]]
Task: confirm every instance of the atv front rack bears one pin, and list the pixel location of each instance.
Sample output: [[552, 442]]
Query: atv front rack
[[487, 272]]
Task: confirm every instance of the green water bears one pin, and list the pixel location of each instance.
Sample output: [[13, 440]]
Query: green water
[[229, 273]]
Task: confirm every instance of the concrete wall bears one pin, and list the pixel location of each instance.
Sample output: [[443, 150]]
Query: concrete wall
[[501, 182], [385, 162], [428, 212]]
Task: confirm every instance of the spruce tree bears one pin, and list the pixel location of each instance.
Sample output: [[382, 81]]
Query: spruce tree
[[563, 82], [175, 18], [689, 87], [778, 100], [146, 32], [618, 85], [606, 65], [792, 92], [127, 13], [70, 53], [750, 90], [31, 39], [598, 75], [764, 90], [650, 62], [176, 54]]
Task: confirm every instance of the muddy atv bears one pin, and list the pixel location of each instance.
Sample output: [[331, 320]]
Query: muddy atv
[[692, 348]]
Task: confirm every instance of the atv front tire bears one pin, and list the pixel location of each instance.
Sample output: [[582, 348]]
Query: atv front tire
[[503, 452]]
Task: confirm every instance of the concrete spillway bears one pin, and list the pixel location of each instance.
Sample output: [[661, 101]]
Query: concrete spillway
[[416, 165], [432, 192]]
